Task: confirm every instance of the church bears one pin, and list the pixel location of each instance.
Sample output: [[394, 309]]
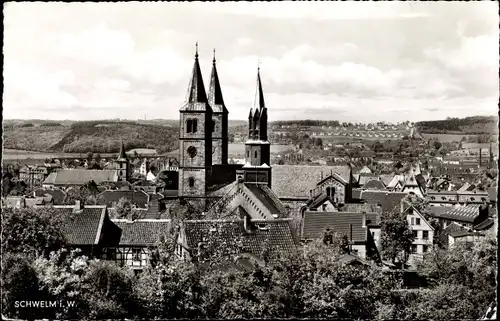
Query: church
[[254, 189]]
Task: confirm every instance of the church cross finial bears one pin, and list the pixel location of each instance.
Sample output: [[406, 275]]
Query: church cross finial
[[196, 54], [258, 64], [214, 56]]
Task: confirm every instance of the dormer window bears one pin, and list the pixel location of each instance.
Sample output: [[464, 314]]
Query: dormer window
[[191, 182]]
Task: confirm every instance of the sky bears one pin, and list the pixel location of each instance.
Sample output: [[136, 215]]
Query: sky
[[346, 61]]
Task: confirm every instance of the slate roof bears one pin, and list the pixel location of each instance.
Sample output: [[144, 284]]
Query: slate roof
[[361, 207], [277, 235], [142, 232], [81, 176], [387, 200], [267, 197], [374, 184], [451, 228], [386, 179], [295, 181], [315, 224], [84, 227], [58, 195], [463, 213], [365, 178], [111, 198]]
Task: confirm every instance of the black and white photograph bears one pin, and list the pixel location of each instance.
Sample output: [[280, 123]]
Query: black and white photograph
[[250, 160]]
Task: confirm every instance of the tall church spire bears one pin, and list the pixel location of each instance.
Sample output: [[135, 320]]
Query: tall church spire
[[215, 93], [196, 91], [122, 156], [259, 95]]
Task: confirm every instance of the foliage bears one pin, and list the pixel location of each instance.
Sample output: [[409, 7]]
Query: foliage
[[60, 278], [19, 283], [123, 208], [108, 291], [396, 237], [475, 124], [50, 124], [86, 194], [32, 231]]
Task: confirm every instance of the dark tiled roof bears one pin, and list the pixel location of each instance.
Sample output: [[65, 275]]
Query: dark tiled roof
[[57, 195], [277, 235], [484, 225], [451, 228], [110, 198], [316, 222], [387, 200], [318, 200], [170, 193], [84, 227], [492, 193], [356, 193], [142, 232], [81, 176], [463, 213], [374, 184], [295, 181]]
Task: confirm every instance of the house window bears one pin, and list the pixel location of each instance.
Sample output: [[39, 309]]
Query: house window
[[111, 254], [324, 207], [412, 221], [373, 234], [413, 248], [255, 154], [415, 234], [425, 248], [425, 235], [191, 182], [417, 221], [136, 254]]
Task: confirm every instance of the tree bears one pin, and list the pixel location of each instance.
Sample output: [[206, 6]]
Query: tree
[[90, 156], [396, 237], [98, 158], [60, 278], [437, 145], [107, 291], [123, 208], [85, 194], [32, 231], [19, 284]]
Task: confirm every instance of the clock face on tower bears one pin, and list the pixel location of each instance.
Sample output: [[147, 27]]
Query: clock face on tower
[[192, 151]]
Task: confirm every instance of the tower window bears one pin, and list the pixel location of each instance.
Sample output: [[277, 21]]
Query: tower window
[[192, 151], [248, 153], [195, 125], [213, 125], [191, 182], [255, 154], [189, 126]]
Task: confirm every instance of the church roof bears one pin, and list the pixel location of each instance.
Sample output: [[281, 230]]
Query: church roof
[[259, 99], [215, 98], [196, 99]]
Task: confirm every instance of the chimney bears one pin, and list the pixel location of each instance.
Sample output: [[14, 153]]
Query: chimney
[[364, 219], [311, 193], [78, 206], [247, 225]]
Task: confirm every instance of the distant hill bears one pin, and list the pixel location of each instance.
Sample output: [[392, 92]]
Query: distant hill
[[468, 125], [96, 136]]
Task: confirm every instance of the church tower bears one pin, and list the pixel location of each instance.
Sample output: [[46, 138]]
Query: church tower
[[123, 166], [257, 147], [219, 119], [195, 137]]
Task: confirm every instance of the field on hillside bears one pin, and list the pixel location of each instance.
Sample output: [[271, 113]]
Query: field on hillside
[[448, 137], [95, 136]]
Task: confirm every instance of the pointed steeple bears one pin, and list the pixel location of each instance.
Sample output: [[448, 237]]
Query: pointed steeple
[[259, 95], [196, 90], [122, 156], [215, 93]]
